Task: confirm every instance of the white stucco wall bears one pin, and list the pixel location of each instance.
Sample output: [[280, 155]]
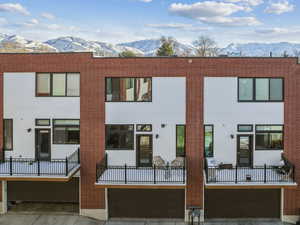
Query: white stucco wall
[[222, 109], [21, 105], [167, 107]]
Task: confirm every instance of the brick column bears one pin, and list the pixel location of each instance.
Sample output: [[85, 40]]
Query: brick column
[[92, 119]]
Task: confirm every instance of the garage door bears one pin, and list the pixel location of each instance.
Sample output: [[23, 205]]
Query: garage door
[[244, 203], [38, 191], [145, 203]]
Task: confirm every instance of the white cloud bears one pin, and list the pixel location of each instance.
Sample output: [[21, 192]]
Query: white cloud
[[30, 23], [13, 7], [274, 30], [147, 1], [247, 2], [3, 21], [48, 16], [279, 7], [177, 26], [212, 12]]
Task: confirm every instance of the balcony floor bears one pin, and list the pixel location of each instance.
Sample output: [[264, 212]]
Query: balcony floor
[[223, 177], [142, 176]]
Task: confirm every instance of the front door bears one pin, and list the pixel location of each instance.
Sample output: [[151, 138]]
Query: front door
[[42, 143], [144, 150], [244, 150]]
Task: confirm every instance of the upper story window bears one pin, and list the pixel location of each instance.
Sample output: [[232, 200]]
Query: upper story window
[[269, 137], [128, 89], [66, 131], [144, 127], [119, 137], [209, 140], [8, 134], [58, 84], [260, 89], [245, 127], [180, 140]]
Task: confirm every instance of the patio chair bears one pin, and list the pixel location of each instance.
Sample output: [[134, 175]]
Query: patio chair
[[158, 161], [178, 162]]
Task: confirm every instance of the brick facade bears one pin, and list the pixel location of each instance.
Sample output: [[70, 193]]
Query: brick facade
[[92, 88]]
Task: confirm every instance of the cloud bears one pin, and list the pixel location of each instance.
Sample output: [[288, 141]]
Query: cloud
[[146, 1], [216, 13], [274, 30], [177, 26], [3, 21], [247, 2], [30, 23], [48, 16], [14, 8], [279, 7]]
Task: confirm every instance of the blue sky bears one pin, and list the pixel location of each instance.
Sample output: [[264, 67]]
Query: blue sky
[[118, 21]]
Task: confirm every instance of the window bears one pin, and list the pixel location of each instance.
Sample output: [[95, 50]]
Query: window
[[128, 89], [245, 128], [119, 137], [260, 89], [180, 140], [144, 127], [269, 137], [66, 131], [58, 84], [208, 140], [8, 134], [42, 122]]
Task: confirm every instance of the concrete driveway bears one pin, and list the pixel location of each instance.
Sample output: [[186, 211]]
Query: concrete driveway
[[30, 219]]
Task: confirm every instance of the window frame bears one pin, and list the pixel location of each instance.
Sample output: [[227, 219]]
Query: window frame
[[268, 132], [241, 131], [12, 135], [142, 124], [134, 88], [254, 89], [36, 122], [51, 84], [121, 149], [184, 149], [53, 126], [213, 140]]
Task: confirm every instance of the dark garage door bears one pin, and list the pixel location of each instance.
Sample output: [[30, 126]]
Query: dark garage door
[[46, 191], [244, 203], [146, 203]]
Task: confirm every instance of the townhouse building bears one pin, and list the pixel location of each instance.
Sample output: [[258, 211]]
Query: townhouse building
[[151, 137]]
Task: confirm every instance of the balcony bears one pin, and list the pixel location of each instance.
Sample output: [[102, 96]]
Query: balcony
[[34, 169], [227, 175], [132, 176]]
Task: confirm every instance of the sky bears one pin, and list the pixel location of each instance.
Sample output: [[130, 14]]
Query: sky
[[116, 21]]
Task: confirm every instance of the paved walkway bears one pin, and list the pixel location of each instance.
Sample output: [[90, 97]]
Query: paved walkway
[[31, 219]]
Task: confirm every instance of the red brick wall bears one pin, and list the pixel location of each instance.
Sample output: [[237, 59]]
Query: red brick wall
[[93, 71]]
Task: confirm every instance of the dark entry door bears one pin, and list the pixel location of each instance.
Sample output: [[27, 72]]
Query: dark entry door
[[144, 150], [43, 144], [244, 150]]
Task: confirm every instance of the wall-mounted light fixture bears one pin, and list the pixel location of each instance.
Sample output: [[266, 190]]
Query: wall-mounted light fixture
[[232, 136], [163, 125], [29, 130], [156, 136]]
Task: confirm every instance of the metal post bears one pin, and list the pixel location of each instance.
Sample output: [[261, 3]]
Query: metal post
[[265, 173], [154, 166], [183, 171], [125, 174], [78, 152], [293, 173], [67, 169], [38, 166], [236, 174], [10, 165], [105, 160]]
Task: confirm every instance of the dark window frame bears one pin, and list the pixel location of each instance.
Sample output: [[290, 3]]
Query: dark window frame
[[184, 150], [53, 130], [38, 125], [213, 140], [268, 132], [242, 131], [121, 149], [12, 135], [51, 85], [146, 124], [254, 89], [134, 88]]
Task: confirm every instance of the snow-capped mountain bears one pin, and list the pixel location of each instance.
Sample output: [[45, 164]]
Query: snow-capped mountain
[[15, 43], [150, 46], [262, 49], [74, 44]]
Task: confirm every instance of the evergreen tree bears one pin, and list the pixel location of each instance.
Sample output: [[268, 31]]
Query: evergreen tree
[[166, 48]]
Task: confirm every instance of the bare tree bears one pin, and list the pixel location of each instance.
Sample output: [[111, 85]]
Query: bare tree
[[297, 52], [206, 46]]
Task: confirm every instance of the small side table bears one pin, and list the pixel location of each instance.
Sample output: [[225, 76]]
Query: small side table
[[194, 212]]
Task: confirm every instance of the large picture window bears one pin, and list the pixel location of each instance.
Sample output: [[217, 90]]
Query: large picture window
[[66, 131], [128, 89], [8, 134], [58, 84], [180, 140], [119, 137], [208, 140], [260, 89], [269, 137]]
